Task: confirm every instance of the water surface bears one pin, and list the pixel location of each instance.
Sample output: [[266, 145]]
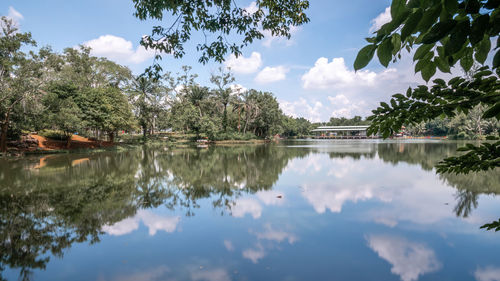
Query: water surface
[[302, 210]]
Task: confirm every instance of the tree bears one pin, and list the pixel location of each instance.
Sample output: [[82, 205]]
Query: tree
[[62, 111], [446, 32], [218, 18], [148, 98], [15, 72], [223, 91], [106, 109]]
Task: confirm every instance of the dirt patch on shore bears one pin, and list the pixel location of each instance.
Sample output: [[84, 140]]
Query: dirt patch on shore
[[77, 142]]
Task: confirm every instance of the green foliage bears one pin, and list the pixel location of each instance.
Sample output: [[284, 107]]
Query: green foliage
[[478, 158], [218, 18], [53, 134], [447, 32], [494, 225], [442, 99]]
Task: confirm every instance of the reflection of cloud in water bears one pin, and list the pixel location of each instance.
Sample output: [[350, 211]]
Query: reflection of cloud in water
[[211, 275], [153, 222], [153, 274], [245, 206], [311, 164], [411, 194], [270, 197], [487, 274], [271, 235], [327, 196], [229, 245], [254, 254], [409, 260], [275, 235]]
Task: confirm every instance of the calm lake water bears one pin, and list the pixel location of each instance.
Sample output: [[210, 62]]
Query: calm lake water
[[303, 210]]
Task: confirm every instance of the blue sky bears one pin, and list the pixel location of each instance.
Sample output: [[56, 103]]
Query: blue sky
[[311, 75]]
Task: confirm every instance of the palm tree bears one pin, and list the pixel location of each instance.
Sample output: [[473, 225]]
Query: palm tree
[[142, 89]]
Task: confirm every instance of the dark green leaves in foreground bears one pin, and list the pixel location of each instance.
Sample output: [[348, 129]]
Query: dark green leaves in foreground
[[477, 158], [494, 225], [216, 21], [444, 33], [443, 99]]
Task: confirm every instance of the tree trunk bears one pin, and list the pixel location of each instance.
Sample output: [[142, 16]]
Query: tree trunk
[[68, 142], [3, 138], [111, 136], [239, 116], [144, 130], [224, 118]]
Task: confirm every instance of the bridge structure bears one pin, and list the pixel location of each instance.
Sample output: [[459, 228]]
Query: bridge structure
[[341, 132]]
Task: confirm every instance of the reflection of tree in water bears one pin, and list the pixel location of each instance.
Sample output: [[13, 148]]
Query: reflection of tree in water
[[222, 173], [50, 203], [43, 211], [427, 155]]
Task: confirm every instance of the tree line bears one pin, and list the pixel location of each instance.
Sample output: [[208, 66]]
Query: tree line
[[75, 92]]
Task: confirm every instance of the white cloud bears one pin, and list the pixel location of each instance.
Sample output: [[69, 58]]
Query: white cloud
[[122, 227], [343, 107], [381, 19], [153, 222], [276, 235], [487, 274], [245, 206], [118, 49], [14, 15], [269, 39], [272, 236], [218, 274], [151, 274], [254, 254], [156, 222], [270, 197], [271, 74], [409, 260], [252, 8], [229, 245], [303, 108], [237, 89], [336, 75], [244, 65]]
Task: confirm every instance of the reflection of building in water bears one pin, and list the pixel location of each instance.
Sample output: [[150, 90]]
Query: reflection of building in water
[[341, 132]]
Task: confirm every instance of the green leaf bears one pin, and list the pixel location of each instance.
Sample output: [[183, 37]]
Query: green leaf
[[411, 24], [467, 61], [420, 65], [451, 6], [493, 111], [429, 18], [472, 7], [458, 37], [483, 49], [442, 64], [492, 4], [438, 31], [364, 56], [396, 43], [496, 60], [397, 7], [384, 52], [479, 26], [422, 51], [428, 71]]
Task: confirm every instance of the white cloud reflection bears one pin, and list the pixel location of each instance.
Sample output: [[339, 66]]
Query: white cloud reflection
[[267, 240], [152, 221], [409, 260], [487, 274]]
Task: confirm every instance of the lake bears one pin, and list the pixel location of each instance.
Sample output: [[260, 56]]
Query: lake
[[297, 210]]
